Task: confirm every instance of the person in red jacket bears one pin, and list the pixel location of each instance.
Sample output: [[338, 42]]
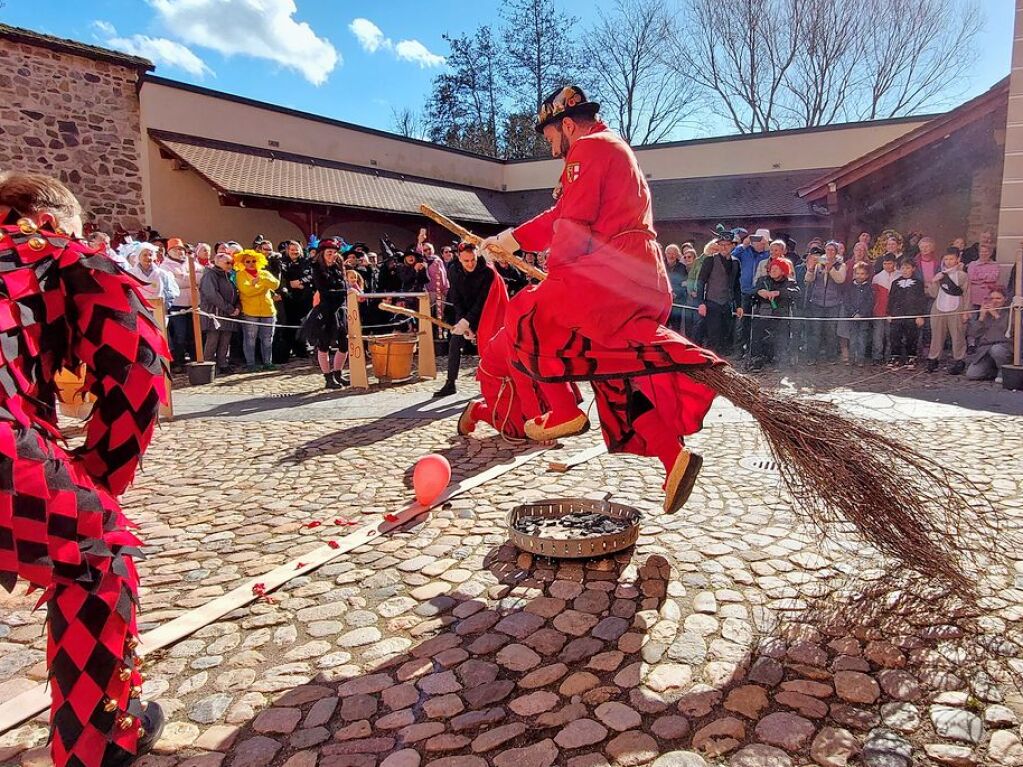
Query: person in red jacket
[[62, 305], [600, 315]]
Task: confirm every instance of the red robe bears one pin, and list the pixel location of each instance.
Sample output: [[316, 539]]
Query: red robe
[[510, 397], [599, 314]]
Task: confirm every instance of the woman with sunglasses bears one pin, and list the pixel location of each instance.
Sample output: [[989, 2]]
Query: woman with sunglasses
[[256, 286]]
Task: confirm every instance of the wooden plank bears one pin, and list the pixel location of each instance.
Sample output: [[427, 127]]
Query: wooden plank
[[160, 315], [427, 362], [26, 705], [356, 348], [560, 467]]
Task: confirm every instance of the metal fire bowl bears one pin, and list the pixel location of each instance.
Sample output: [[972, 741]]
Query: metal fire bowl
[[574, 548]]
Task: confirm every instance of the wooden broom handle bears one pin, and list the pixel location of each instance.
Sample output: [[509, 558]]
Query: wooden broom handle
[[475, 239], [413, 313]]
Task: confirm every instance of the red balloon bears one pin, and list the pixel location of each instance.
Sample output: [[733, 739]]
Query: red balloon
[[430, 477]]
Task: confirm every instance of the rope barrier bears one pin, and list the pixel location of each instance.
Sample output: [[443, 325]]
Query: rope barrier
[[218, 319], [843, 319]]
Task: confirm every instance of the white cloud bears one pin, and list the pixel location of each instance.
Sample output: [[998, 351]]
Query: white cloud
[[370, 36], [264, 29], [159, 50], [105, 28], [372, 39], [415, 51], [162, 52]]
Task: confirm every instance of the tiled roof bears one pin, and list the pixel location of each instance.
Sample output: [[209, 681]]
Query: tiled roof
[[73, 46], [243, 171], [247, 172]]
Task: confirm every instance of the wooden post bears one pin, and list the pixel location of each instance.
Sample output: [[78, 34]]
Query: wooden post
[[1017, 319], [196, 324], [160, 316], [427, 361], [356, 347]]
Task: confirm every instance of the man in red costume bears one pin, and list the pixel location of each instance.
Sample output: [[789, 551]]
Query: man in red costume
[[599, 316], [61, 528]]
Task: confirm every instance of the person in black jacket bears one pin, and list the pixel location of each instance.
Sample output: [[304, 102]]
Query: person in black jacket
[[218, 296], [470, 286], [297, 298], [906, 297], [326, 327], [859, 308], [717, 290], [412, 274]]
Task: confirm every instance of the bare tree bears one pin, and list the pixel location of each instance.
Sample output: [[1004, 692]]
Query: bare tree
[[918, 55], [772, 64], [739, 51], [540, 50], [409, 123], [823, 80], [640, 94], [466, 104]]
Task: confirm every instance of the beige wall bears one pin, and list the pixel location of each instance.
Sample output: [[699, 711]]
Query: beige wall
[[182, 111], [737, 156], [1010, 222]]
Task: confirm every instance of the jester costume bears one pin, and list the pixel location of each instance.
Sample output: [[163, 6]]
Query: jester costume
[[61, 528], [600, 315]]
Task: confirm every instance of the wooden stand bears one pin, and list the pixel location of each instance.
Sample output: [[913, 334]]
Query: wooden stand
[[426, 361]]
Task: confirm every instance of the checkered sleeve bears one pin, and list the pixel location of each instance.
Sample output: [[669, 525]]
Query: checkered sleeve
[[114, 334]]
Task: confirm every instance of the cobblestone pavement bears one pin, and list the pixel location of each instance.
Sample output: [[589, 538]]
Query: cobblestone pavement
[[442, 644]]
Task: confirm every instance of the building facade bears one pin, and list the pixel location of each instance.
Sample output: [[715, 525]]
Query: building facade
[[191, 162]]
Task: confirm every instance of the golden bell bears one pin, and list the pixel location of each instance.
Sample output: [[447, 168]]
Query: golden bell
[[36, 242], [142, 677], [126, 722], [142, 732], [110, 706], [136, 691], [132, 643], [124, 674], [27, 226]]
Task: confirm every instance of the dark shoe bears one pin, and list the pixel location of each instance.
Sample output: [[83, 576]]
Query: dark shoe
[[445, 391], [958, 368], [330, 382], [153, 720], [932, 365], [251, 369], [341, 381], [269, 366]]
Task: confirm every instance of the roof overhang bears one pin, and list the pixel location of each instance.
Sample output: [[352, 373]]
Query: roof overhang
[[938, 129]]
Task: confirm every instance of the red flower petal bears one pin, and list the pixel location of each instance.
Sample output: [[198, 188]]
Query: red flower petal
[[314, 523], [334, 544], [391, 517]]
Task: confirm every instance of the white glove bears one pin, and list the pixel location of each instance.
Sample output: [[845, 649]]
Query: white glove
[[505, 241], [461, 328]]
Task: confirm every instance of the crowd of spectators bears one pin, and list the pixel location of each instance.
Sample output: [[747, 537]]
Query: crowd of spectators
[[887, 301]]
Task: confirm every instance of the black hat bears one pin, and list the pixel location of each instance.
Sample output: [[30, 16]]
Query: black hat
[[565, 102], [816, 250]]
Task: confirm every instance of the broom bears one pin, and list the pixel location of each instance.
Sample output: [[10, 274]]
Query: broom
[[840, 472]]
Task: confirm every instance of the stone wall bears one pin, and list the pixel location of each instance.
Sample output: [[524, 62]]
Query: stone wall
[[76, 118]]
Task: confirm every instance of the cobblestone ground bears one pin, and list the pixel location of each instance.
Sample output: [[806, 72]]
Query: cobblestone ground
[[442, 644]]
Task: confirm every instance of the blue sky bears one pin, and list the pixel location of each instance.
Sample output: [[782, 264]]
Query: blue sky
[[354, 61]]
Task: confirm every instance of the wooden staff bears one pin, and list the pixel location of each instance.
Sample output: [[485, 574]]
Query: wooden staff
[[413, 313], [475, 239]]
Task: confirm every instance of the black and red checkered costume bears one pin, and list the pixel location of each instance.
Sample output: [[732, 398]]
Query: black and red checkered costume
[[61, 528]]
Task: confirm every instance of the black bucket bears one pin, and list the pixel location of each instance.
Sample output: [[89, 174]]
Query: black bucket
[[1012, 377], [200, 373]]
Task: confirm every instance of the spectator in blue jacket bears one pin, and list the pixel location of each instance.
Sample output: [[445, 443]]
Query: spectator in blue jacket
[[749, 258]]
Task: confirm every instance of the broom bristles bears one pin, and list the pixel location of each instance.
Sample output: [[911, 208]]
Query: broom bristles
[[841, 471]]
